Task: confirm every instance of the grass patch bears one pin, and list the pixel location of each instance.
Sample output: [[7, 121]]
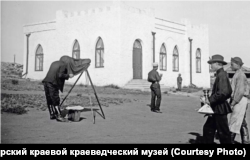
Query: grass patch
[[15, 109]]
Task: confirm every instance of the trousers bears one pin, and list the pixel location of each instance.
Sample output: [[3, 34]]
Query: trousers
[[52, 94], [219, 123], [155, 96]]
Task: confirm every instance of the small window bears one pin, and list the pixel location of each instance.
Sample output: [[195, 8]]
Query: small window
[[198, 61], [76, 50], [175, 59], [163, 58], [39, 59], [99, 54]]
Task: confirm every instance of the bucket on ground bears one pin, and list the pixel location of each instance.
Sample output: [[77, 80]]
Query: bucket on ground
[[74, 113]]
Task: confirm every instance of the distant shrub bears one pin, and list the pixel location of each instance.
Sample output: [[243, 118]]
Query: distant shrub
[[15, 109]]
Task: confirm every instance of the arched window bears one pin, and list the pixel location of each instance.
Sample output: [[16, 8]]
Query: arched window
[[76, 50], [99, 54], [137, 44], [163, 58], [39, 59], [198, 60], [175, 59]]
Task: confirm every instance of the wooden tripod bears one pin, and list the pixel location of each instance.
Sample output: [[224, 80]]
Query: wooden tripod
[[102, 115]]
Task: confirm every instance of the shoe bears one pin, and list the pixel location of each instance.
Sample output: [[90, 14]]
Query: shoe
[[52, 117], [152, 110], [61, 119], [158, 111]]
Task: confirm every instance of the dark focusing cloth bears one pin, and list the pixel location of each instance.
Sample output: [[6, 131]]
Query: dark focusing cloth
[[75, 66]]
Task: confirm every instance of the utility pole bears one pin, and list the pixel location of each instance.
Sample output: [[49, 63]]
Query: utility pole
[[153, 33], [190, 40], [14, 58]]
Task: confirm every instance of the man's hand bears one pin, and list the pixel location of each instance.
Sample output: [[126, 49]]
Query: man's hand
[[207, 101], [202, 99], [71, 75], [233, 104]]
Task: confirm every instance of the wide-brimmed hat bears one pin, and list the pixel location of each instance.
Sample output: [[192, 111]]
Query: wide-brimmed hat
[[237, 60], [217, 58]]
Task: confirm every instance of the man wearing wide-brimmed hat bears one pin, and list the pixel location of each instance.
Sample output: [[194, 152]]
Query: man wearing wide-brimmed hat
[[218, 101], [237, 121]]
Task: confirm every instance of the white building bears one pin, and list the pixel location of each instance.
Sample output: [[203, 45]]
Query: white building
[[122, 43]]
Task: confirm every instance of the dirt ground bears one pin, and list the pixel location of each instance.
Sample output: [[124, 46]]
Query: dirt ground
[[125, 123]]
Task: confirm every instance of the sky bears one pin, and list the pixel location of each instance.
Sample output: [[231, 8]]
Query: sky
[[228, 22]]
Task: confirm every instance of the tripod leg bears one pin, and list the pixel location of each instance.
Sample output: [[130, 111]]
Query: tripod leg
[[90, 104], [71, 89], [95, 94]]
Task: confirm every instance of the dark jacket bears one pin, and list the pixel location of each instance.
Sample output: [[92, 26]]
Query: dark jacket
[[57, 74], [179, 79], [221, 92], [153, 76]]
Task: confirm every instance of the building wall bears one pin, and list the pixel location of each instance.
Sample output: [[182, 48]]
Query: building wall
[[199, 34], [44, 39], [87, 28], [118, 26], [171, 35], [136, 24]]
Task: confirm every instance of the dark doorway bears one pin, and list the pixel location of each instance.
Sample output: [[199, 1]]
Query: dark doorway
[[137, 60]]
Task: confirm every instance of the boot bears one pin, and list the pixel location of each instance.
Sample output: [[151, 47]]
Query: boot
[[233, 135], [244, 135]]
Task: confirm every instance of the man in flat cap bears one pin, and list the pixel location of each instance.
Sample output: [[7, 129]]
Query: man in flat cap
[[237, 120], [218, 101], [154, 77]]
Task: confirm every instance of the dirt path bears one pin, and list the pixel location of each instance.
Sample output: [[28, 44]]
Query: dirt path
[[126, 123]]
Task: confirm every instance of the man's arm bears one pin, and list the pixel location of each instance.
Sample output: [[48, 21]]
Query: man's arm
[[158, 77], [61, 73]]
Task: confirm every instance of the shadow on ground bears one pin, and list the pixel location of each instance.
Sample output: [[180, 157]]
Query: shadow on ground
[[199, 139]]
